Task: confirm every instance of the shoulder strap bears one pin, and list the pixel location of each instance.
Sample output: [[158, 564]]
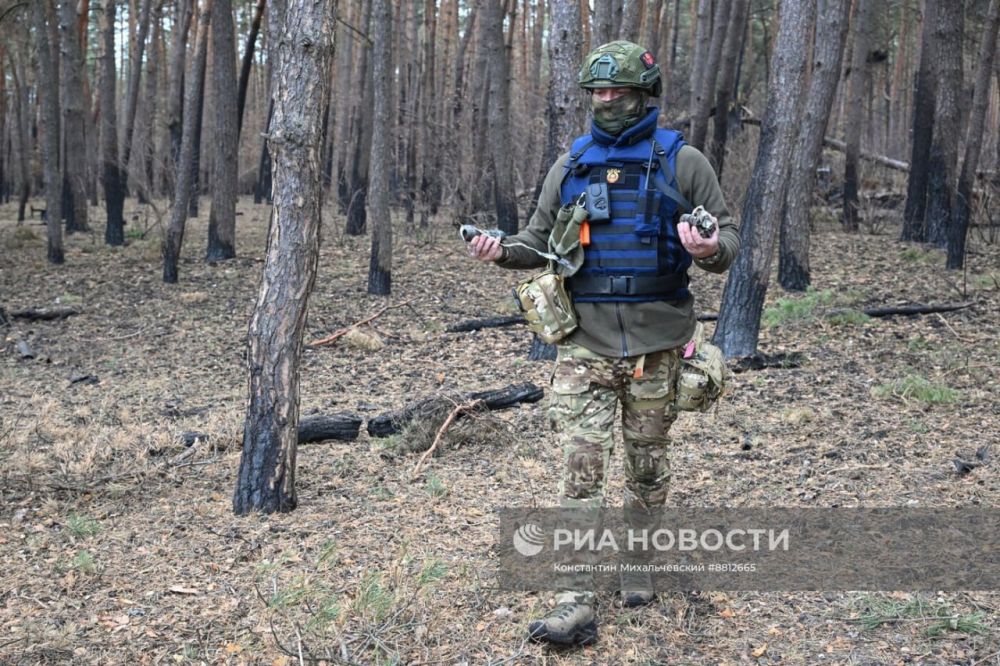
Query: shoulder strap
[[668, 177], [575, 156]]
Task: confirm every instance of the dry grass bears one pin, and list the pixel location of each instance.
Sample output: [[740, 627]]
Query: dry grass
[[119, 545]]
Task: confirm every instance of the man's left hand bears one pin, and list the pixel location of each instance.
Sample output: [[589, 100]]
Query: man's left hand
[[698, 247]]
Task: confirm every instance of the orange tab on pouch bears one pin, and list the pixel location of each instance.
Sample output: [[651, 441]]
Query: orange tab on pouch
[[689, 349], [585, 233], [639, 365]]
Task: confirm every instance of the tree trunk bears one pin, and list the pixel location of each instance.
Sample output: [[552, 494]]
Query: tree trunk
[[222, 217], [380, 264], [565, 112], [924, 93], [828, 52], [20, 129], [185, 164], [504, 197], [699, 121], [175, 95], [199, 124], [604, 22], [358, 179], [48, 95], [134, 79], [743, 300], [858, 82], [75, 146], [699, 53], [943, 163], [723, 92], [302, 49], [974, 140], [114, 230], [632, 11], [262, 191], [146, 123], [247, 63]]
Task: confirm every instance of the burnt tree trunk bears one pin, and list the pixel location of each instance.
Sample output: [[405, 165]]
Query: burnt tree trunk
[[175, 94], [48, 94], [858, 85], [727, 75], [114, 195], [134, 79], [222, 216], [974, 140], [942, 166], [72, 98], [828, 52], [925, 90], [262, 191], [743, 301], [199, 118], [380, 264], [20, 129], [185, 164], [247, 63], [301, 42], [498, 121], [699, 121], [358, 178]]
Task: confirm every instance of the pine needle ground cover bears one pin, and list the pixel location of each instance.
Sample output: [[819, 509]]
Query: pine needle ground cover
[[119, 546]]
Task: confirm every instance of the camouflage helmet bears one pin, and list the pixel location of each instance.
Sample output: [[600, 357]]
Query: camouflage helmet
[[621, 64]]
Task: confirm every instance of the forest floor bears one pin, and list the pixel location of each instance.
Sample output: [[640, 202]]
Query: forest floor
[[119, 544]]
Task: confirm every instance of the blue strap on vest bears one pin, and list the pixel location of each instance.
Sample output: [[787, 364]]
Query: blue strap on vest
[[637, 255]]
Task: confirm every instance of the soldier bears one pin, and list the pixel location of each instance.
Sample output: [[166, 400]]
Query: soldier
[[634, 311]]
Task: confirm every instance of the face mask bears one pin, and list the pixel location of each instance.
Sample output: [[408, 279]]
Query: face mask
[[619, 114]]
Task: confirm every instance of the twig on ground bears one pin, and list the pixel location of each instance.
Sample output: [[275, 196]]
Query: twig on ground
[[459, 409], [953, 331], [336, 335]]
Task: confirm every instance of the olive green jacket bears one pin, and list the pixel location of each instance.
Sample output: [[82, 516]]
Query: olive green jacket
[[633, 329]]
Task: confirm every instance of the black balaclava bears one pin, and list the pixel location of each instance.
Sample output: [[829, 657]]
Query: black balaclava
[[619, 114]]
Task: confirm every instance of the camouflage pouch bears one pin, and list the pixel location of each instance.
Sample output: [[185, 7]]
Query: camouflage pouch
[[702, 378], [547, 306]]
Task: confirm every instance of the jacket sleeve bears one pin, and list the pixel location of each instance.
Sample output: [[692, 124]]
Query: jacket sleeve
[[536, 234], [697, 181]]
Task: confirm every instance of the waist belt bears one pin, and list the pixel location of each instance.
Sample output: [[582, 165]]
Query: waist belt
[[626, 285]]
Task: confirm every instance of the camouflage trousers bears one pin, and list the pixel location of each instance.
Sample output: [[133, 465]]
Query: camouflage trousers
[[587, 389]]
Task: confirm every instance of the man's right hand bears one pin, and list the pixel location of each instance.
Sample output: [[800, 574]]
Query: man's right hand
[[485, 248]]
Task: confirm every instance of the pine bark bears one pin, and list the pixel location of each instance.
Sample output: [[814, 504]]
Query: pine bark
[[380, 264], [942, 165], [974, 140], [19, 130], [358, 176], [699, 121], [924, 94], [48, 94], [134, 80], [184, 179], [175, 94], [112, 176], [222, 217], [302, 48], [604, 22], [700, 43], [73, 105], [828, 52], [858, 85], [738, 328], [565, 112], [504, 197], [247, 63], [727, 72], [632, 11]]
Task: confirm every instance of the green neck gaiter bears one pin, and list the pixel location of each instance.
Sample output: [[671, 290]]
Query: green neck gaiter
[[619, 114]]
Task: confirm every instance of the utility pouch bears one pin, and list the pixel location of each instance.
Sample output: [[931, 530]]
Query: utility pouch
[[547, 306], [598, 203], [702, 376]]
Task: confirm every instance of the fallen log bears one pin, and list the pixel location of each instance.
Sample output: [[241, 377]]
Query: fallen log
[[915, 309], [43, 314], [391, 423], [343, 427]]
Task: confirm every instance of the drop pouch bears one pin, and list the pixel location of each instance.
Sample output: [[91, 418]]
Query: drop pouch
[[702, 376]]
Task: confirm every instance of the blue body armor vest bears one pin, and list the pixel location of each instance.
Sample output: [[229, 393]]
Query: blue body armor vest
[[637, 255]]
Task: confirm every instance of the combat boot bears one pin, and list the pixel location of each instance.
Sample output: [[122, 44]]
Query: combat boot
[[568, 624]]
